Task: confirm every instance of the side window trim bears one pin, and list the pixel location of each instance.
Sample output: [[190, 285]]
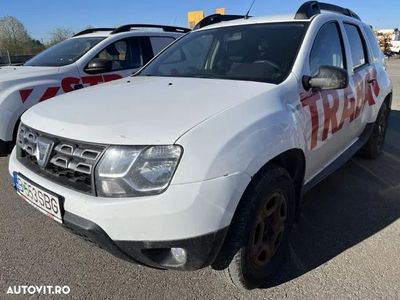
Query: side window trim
[[163, 36], [146, 50], [341, 39], [364, 43], [140, 42]]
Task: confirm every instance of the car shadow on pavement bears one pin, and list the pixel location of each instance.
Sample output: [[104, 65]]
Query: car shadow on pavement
[[351, 205]]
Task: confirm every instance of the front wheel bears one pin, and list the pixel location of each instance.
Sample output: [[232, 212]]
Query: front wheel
[[259, 233]]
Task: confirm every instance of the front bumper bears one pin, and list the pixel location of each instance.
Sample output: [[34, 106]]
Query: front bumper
[[191, 216], [5, 147], [199, 251]]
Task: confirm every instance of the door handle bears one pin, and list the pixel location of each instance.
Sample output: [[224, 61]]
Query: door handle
[[372, 81]]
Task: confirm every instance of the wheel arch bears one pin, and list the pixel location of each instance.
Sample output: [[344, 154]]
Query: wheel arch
[[294, 162], [388, 100]]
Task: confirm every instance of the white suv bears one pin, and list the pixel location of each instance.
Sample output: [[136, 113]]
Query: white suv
[[91, 57], [203, 157], [395, 42]]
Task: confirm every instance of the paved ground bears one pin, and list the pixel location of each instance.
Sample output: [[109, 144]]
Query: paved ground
[[346, 245]]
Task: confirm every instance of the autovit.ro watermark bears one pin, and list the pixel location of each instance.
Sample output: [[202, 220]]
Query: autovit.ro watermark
[[38, 289]]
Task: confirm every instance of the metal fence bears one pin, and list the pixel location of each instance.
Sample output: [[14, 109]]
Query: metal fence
[[6, 59]]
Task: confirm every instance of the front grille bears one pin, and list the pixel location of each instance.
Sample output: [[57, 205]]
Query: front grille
[[67, 162]]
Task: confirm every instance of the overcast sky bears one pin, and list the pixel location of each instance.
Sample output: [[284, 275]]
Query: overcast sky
[[41, 16]]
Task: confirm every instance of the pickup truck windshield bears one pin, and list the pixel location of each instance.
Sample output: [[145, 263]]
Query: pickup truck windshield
[[259, 52], [64, 53]]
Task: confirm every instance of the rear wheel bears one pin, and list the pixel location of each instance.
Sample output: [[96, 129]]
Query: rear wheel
[[373, 148], [259, 233]]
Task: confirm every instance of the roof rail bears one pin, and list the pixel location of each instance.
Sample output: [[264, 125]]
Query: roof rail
[[165, 28], [216, 18], [91, 30], [312, 8]]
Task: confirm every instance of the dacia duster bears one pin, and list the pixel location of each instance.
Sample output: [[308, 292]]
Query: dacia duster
[[202, 158]]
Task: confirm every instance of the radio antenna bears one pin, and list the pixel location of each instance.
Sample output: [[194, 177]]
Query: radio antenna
[[248, 12]]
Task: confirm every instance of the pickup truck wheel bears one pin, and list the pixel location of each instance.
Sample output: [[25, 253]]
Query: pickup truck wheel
[[373, 148], [259, 232]]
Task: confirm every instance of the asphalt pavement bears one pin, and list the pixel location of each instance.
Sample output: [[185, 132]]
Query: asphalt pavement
[[345, 246]]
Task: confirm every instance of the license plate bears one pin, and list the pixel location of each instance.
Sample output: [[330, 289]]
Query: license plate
[[45, 201]]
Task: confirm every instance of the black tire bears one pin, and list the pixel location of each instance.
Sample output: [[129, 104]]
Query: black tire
[[15, 132], [373, 148], [253, 252]]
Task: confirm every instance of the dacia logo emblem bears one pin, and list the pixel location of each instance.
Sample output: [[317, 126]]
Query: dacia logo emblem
[[44, 146]]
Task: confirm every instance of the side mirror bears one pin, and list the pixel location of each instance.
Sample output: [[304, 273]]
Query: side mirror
[[328, 78], [99, 65]]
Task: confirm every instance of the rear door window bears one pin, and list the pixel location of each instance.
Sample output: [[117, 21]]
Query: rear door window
[[357, 46], [124, 54], [373, 43]]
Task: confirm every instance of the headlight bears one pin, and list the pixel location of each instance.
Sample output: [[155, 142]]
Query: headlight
[[136, 171]]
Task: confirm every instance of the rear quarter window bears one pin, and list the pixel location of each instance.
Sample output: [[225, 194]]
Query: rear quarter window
[[158, 43], [373, 43]]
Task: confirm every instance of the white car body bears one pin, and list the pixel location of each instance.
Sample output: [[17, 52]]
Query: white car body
[[395, 45], [21, 87], [229, 130]]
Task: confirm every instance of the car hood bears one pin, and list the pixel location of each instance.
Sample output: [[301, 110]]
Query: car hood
[[17, 74], [139, 110]]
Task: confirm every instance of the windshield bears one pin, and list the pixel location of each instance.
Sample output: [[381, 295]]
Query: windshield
[[64, 53], [259, 52]]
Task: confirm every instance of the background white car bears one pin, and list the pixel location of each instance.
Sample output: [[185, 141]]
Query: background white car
[[395, 42], [91, 57]]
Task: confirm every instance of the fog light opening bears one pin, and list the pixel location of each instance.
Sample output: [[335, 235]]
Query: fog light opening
[[180, 255]]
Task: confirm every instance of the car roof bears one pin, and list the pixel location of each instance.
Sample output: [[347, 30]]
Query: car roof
[[277, 19], [254, 20], [95, 34], [307, 12], [107, 34], [133, 29]]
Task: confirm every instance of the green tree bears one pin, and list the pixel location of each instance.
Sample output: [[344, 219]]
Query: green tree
[[13, 36], [59, 35], [36, 46], [15, 40]]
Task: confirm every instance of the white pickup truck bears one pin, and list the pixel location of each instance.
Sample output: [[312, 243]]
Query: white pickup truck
[[202, 158], [91, 57], [395, 42]]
